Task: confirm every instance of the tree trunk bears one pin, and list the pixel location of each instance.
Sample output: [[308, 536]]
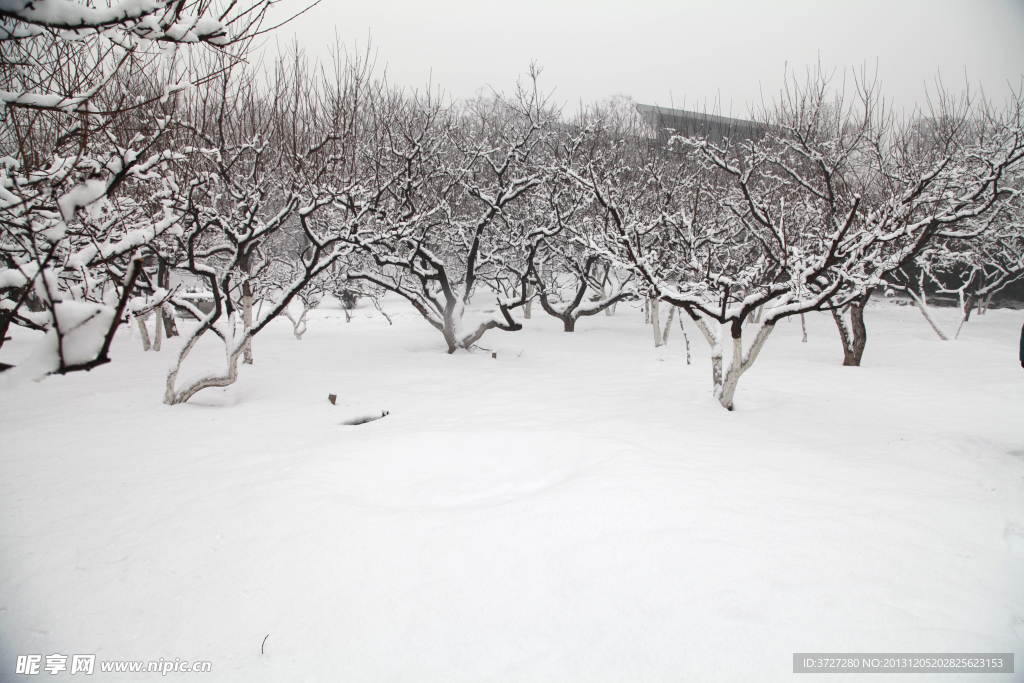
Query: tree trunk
[[968, 306], [141, 320], [655, 323], [5, 326], [716, 366], [668, 325], [716, 348], [568, 323], [854, 336], [529, 302], [167, 311], [449, 338], [159, 330], [604, 281], [170, 328], [685, 338], [740, 364], [922, 305], [299, 324], [732, 374], [452, 324], [860, 332], [247, 320], [380, 309], [803, 328], [173, 397], [845, 336]]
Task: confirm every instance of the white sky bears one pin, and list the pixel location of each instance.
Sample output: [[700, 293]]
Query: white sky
[[690, 53]]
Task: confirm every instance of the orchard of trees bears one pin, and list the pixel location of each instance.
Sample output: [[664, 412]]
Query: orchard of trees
[[150, 170]]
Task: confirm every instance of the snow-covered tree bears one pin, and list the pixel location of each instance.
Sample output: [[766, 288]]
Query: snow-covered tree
[[570, 280], [575, 284], [88, 97], [973, 270], [447, 234], [273, 282], [948, 214], [724, 230], [72, 216], [294, 156]]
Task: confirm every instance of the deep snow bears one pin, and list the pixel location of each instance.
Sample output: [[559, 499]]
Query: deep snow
[[578, 509]]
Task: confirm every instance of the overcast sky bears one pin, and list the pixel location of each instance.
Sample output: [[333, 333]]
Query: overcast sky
[[690, 54]]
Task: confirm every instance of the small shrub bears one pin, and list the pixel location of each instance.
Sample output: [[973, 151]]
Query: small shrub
[[348, 298]]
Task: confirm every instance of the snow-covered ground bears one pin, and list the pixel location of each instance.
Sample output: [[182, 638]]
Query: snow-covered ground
[[577, 509]]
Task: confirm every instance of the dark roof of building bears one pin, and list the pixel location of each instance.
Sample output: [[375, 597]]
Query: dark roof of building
[[667, 122]]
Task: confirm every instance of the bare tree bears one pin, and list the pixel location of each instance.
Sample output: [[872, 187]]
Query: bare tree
[[972, 270], [273, 157], [724, 230], [447, 233], [946, 203], [564, 286], [88, 99], [570, 279]]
